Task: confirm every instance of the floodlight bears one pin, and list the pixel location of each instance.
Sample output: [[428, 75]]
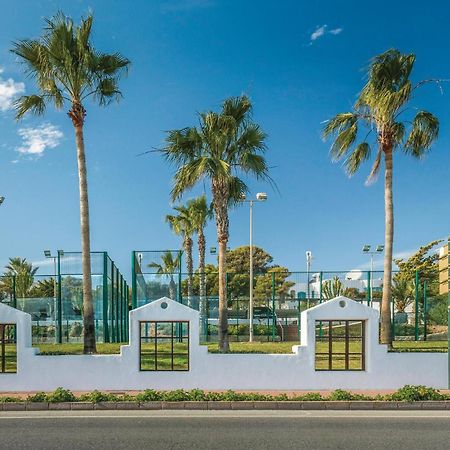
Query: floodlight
[[261, 196], [380, 248], [47, 253], [366, 248]]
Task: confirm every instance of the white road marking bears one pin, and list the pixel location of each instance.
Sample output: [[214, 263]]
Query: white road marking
[[33, 415]]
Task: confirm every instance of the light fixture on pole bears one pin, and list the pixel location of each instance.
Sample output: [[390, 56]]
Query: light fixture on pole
[[2, 199], [366, 249], [260, 197]]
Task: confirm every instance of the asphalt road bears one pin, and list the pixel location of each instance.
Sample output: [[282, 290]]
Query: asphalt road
[[225, 430]]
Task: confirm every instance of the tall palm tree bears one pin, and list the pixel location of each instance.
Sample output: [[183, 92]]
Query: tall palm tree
[[225, 145], [69, 70], [181, 224], [200, 213], [383, 99], [167, 267]]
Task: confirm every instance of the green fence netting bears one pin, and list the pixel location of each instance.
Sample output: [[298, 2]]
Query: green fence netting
[[419, 311], [55, 302]]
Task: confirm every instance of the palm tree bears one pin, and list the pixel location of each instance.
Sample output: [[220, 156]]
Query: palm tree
[[168, 267], [19, 277], [69, 70], [200, 212], [402, 293], [223, 146], [383, 99], [181, 224]]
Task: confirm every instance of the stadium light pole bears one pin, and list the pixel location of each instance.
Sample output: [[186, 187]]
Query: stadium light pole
[[260, 197], [366, 249], [309, 258]]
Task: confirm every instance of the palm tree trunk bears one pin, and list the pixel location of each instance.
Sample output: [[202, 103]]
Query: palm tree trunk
[[88, 307], [386, 333], [224, 345], [202, 281], [189, 267], [220, 204]]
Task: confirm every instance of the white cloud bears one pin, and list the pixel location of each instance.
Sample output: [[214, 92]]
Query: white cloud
[[9, 90], [336, 31], [319, 32], [322, 30], [36, 140]]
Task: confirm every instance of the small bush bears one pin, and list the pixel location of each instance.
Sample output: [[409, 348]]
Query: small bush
[[38, 397], [410, 393], [60, 395], [9, 399], [97, 397], [197, 395], [179, 395], [149, 395], [310, 397], [341, 395]]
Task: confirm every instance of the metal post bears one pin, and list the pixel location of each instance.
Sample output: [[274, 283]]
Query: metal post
[[59, 304], [251, 275], [228, 296], [416, 305], [320, 301], [180, 294], [371, 280], [448, 310], [273, 307], [106, 298], [393, 320], [308, 266], [133, 280], [424, 310], [14, 297], [237, 317]]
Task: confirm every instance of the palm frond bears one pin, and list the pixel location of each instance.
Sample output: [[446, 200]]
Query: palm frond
[[360, 154], [345, 127], [375, 168], [29, 103], [237, 189], [425, 130]]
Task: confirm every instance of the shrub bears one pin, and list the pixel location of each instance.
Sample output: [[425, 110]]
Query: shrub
[[178, 395], [410, 393], [38, 397], [8, 399], [197, 395], [97, 397], [438, 311], [341, 395], [60, 395], [149, 395], [310, 397]]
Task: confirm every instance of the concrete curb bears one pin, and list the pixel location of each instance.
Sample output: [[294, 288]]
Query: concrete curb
[[229, 405]]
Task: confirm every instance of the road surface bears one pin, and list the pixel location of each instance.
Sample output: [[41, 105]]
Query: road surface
[[260, 430]]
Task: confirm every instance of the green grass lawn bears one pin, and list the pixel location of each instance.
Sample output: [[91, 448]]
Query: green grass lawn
[[240, 347], [9, 358]]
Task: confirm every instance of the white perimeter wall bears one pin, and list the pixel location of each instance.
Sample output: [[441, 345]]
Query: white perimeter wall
[[220, 372]]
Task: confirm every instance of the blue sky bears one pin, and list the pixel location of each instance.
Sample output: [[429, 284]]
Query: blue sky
[[300, 62]]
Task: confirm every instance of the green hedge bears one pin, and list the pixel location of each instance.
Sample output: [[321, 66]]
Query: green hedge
[[407, 393]]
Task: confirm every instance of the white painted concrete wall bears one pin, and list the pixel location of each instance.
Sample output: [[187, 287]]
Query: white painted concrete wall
[[220, 372]]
